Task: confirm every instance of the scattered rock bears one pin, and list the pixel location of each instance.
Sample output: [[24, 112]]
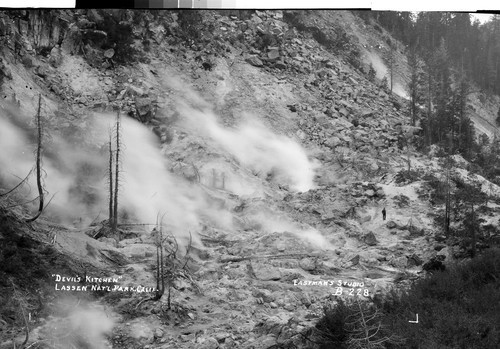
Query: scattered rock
[[187, 171], [439, 247], [414, 260], [109, 241], [399, 262], [207, 343], [280, 65], [265, 295]]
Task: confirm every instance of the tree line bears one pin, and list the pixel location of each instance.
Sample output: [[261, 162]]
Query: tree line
[[449, 57]]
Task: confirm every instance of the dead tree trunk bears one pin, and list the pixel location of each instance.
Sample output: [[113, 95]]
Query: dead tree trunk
[[110, 169], [117, 173], [39, 162], [474, 237]]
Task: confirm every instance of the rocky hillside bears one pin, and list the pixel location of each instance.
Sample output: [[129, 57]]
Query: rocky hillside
[[259, 138]]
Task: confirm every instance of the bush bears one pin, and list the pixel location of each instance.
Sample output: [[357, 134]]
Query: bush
[[190, 25], [119, 37], [404, 177], [402, 200], [330, 329], [458, 308]]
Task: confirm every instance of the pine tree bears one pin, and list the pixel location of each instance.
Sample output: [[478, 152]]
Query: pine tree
[[415, 85]]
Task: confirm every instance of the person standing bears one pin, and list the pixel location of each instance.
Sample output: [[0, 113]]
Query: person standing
[[384, 212]]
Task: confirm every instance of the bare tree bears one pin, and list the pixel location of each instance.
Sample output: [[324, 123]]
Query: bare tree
[[39, 162], [160, 272], [110, 179], [18, 185], [366, 329], [117, 172], [114, 174]]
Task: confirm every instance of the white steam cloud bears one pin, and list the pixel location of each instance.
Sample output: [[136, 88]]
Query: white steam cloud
[[272, 223], [75, 171], [149, 189], [257, 147], [81, 326]]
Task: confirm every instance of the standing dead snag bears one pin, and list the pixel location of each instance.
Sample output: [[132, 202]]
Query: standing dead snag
[[160, 273], [113, 178], [39, 162], [110, 179], [117, 172]]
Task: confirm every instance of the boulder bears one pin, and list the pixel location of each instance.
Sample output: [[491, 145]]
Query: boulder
[[280, 65], [266, 295], [332, 142], [308, 264], [416, 231], [391, 225], [144, 108], [55, 57], [365, 219], [109, 53], [366, 113], [273, 54], [207, 343], [4, 71], [370, 193], [255, 61], [399, 262], [370, 239], [355, 260], [439, 247], [265, 272]]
